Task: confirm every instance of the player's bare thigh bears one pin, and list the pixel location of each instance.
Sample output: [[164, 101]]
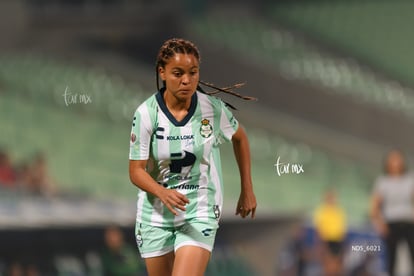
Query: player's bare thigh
[[160, 266], [190, 260]]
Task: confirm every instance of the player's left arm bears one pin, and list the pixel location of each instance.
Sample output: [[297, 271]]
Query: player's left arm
[[247, 200]]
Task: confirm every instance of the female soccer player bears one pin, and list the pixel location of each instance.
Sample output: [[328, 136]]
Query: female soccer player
[[175, 163]]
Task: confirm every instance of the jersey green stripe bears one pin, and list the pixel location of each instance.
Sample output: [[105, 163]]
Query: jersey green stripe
[[216, 156], [146, 215], [193, 196]]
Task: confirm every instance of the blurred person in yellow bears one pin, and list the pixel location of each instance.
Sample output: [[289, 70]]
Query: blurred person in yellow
[[392, 207], [331, 227]]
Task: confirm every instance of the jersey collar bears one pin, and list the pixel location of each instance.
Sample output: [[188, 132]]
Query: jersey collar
[[163, 106]]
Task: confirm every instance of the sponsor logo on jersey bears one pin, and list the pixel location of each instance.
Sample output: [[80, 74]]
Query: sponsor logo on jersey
[[180, 177], [233, 121], [133, 137], [158, 133], [180, 137], [216, 210], [206, 129], [185, 187]]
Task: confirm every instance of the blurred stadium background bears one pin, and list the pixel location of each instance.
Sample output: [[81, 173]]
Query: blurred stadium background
[[335, 90]]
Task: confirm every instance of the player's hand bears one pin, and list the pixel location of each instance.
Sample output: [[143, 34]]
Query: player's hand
[[382, 229], [173, 200], [246, 205]]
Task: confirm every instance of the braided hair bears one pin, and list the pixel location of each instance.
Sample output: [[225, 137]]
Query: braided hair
[[181, 46]]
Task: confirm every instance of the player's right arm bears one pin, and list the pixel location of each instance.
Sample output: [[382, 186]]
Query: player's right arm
[[140, 178], [143, 127]]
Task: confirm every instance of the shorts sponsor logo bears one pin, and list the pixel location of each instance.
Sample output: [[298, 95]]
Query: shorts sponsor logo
[[207, 232]]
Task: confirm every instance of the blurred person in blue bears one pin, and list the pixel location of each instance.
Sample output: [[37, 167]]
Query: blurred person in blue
[[295, 253], [392, 208]]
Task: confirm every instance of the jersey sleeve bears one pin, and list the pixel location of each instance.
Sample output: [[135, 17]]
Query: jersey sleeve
[[228, 123], [141, 132]]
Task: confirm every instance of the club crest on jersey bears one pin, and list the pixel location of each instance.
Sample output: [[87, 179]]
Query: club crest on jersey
[[206, 128]]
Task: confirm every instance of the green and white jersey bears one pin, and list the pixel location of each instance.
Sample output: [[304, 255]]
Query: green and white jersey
[[182, 155]]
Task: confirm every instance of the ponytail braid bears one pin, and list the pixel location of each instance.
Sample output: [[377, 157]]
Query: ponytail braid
[[181, 46]]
